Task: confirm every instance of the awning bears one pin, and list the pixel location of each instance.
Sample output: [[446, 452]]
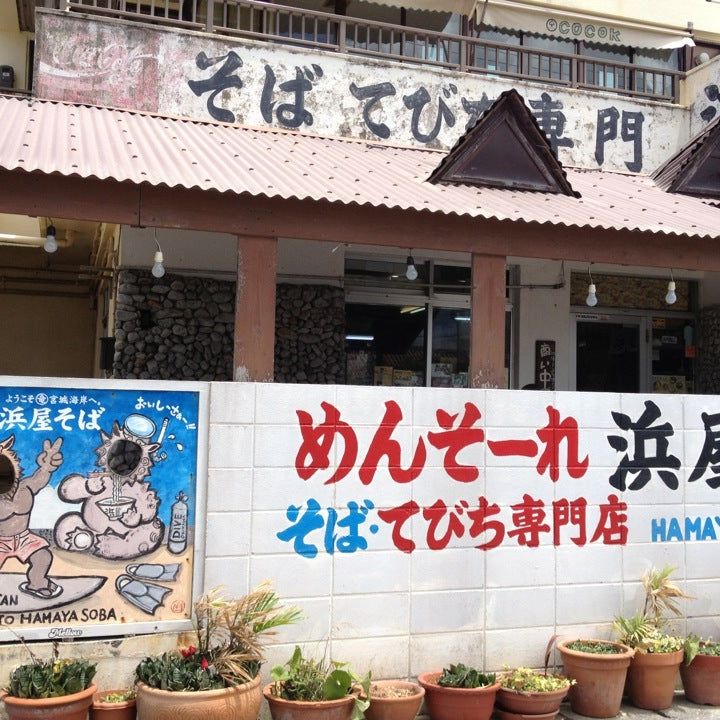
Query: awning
[[463, 7], [92, 142], [541, 20]]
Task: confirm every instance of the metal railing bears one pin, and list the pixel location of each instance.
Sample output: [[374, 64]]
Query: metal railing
[[283, 24]]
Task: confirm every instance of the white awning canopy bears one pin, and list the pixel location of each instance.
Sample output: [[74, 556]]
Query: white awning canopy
[[542, 20]]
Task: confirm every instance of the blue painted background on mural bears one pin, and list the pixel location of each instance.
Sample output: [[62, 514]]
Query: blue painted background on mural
[[35, 414]]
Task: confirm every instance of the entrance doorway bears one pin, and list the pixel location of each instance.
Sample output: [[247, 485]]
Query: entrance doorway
[[609, 354]]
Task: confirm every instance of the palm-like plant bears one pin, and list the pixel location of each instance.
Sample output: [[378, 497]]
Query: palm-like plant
[[661, 595], [231, 631]]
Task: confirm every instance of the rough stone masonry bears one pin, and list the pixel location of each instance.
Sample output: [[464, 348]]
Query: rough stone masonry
[[181, 328]]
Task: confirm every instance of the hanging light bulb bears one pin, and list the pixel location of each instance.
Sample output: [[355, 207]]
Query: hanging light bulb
[[591, 299], [158, 269], [50, 245], [411, 273], [671, 297]]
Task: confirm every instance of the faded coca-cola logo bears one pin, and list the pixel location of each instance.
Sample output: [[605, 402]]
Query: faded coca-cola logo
[[83, 59]]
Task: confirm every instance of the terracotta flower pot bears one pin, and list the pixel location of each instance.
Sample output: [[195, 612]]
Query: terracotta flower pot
[[531, 703], [281, 709], [395, 708], [444, 703], [241, 702], [102, 710], [600, 678], [652, 678], [67, 707], [507, 715], [701, 679]]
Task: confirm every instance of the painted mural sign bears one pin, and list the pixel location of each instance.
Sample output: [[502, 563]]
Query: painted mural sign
[[275, 86], [477, 483], [97, 507]]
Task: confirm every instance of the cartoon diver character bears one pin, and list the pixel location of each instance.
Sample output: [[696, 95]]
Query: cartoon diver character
[[17, 497]]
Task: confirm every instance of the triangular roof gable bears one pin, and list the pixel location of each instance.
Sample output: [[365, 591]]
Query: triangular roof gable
[[505, 148], [695, 168]]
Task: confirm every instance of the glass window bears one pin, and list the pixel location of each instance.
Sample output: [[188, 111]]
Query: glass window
[[385, 344], [386, 274], [673, 352], [505, 60], [546, 66], [601, 70], [450, 348]]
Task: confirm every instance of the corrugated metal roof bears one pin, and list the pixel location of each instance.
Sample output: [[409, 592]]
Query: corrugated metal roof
[[673, 171], [93, 142]]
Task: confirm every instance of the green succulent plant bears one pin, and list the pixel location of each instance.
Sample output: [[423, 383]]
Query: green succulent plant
[[695, 645], [50, 678], [524, 679], [305, 679], [596, 647], [462, 676]]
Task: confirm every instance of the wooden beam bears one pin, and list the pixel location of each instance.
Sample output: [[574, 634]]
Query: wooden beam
[[254, 353], [162, 207], [487, 327]]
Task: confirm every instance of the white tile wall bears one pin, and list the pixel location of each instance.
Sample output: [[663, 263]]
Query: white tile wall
[[402, 613]]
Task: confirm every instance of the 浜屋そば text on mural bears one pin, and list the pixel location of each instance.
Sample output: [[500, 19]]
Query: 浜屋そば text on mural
[[641, 450], [97, 506]]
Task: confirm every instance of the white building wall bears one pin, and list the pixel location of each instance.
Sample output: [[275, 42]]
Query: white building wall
[[400, 614]]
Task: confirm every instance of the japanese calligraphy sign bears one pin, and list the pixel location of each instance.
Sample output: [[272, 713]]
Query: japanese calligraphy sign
[[545, 364], [98, 493], [311, 91], [441, 469]]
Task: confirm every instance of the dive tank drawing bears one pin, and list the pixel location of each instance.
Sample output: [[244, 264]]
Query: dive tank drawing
[[178, 533]]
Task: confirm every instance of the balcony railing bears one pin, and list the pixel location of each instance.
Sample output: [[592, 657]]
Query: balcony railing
[[282, 24]]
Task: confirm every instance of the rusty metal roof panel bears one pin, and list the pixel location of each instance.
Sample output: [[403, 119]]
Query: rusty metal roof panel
[[94, 142]]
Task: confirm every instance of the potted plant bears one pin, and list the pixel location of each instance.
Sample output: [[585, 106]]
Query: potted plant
[[218, 676], [524, 691], [599, 669], [306, 689], [114, 705], [394, 700], [55, 689], [654, 668], [701, 671], [459, 692]]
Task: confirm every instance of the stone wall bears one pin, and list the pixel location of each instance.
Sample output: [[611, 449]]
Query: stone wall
[[310, 334], [181, 328], [709, 364], [174, 327]]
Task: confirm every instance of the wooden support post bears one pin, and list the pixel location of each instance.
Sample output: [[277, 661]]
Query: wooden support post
[[255, 309], [487, 327]]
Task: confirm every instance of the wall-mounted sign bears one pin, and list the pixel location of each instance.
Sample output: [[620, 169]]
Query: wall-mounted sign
[[98, 507], [545, 364]]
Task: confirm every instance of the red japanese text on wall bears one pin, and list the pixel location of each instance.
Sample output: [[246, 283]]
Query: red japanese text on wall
[[449, 482]]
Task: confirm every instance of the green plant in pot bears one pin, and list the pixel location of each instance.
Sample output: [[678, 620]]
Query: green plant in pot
[[218, 675], [307, 689], [114, 705], [653, 671], [459, 692], [700, 671], [58, 689], [599, 669], [529, 692]]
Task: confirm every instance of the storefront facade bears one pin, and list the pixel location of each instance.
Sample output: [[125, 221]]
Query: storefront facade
[[230, 209]]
